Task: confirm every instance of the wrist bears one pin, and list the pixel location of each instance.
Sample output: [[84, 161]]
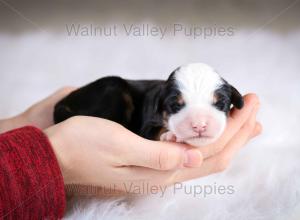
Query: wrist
[[12, 123], [55, 137]]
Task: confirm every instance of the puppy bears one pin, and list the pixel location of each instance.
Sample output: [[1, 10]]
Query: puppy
[[191, 106]]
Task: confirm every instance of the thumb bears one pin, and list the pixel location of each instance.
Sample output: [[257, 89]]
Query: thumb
[[163, 155]]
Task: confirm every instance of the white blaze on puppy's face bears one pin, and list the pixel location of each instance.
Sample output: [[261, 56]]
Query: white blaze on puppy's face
[[198, 122]]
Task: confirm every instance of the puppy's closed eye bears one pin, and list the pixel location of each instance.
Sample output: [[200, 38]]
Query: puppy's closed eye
[[173, 102], [206, 98]]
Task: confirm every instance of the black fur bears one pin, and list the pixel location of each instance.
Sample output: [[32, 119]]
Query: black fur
[[133, 103], [171, 95], [139, 105]]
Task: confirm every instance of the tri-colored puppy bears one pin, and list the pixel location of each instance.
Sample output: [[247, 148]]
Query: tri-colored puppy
[[191, 106]]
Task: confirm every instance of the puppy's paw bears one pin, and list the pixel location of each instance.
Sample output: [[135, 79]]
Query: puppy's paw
[[168, 136]]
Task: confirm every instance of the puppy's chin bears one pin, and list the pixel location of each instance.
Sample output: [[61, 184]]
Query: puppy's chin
[[200, 141]]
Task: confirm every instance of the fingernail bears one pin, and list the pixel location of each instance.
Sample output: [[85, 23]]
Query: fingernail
[[193, 158]]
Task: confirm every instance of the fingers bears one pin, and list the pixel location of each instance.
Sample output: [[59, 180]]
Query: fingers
[[141, 175], [169, 156], [240, 139], [257, 130], [221, 161], [41, 113], [59, 94], [162, 155], [235, 121], [127, 149], [209, 166], [237, 118], [56, 96]]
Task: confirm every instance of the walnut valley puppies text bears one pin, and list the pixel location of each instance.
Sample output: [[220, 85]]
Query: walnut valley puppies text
[[145, 188], [149, 30]]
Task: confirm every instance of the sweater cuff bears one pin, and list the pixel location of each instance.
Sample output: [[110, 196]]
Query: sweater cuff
[[32, 184]]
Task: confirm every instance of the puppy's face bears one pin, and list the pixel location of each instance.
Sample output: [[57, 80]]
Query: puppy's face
[[196, 103]]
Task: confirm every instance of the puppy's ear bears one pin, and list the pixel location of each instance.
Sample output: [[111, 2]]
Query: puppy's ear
[[236, 98]]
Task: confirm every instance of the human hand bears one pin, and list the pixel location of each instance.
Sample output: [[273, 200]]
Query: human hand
[[98, 152], [241, 127], [39, 115], [237, 120]]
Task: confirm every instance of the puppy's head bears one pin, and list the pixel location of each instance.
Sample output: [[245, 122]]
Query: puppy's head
[[196, 103]]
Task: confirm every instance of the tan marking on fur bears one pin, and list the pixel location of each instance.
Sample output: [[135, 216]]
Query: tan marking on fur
[[215, 99], [130, 106], [67, 108], [165, 118], [163, 130], [180, 100]]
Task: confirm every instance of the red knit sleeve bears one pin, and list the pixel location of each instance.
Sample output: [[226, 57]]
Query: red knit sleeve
[[31, 183]]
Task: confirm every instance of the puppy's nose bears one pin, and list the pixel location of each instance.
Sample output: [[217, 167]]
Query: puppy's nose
[[199, 127]]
